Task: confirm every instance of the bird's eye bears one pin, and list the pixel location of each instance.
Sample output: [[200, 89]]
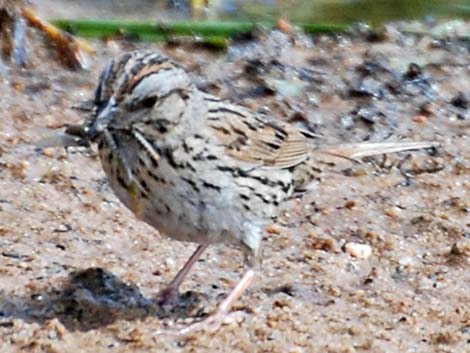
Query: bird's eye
[[148, 102]]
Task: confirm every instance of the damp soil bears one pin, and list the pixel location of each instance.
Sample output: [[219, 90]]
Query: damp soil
[[79, 273]]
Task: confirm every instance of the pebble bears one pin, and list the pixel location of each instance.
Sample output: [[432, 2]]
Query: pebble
[[406, 261], [273, 230], [169, 262], [461, 248], [360, 251], [420, 119]]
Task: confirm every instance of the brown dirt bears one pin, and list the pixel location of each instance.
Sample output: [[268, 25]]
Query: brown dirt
[[78, 273]]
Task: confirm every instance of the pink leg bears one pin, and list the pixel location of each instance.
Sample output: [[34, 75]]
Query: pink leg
[[213, 322], [169, 296], [236, 293]]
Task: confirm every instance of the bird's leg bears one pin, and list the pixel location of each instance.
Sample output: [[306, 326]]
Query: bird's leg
[[236, 293], [252, 262], [215, 320], [169, 296]]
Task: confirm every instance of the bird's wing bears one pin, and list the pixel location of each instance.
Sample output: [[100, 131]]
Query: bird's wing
[[255, 139]]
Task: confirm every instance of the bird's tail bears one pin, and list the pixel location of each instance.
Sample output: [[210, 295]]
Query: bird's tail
[[356, 151]]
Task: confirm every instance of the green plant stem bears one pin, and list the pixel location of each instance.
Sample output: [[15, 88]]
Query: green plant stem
[[213, 31]]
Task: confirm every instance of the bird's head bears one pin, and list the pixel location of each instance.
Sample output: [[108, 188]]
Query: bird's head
[[139, 87]]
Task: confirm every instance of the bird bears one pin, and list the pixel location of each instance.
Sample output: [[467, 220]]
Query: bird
[[199, 168]]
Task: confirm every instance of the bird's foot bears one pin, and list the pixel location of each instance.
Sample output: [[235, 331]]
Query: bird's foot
[[209, 324], [168, 298]]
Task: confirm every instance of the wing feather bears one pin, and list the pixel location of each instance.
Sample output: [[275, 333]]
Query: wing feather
[[256, 139]]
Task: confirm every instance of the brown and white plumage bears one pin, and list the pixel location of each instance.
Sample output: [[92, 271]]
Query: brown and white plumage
[[195, 167]]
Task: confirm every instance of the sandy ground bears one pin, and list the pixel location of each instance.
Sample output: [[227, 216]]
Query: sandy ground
[[78, 273]]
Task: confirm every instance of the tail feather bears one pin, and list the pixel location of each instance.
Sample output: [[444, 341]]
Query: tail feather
[[366, 149]]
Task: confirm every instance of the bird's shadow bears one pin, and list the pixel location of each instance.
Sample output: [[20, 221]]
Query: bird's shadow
[[92, 298]]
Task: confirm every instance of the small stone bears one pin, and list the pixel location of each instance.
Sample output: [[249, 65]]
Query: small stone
[[406, 261], [392, 212], [420, 119], [461, 248], [360, 251], [52, 335], [350, 204], [48, 152], [273, 230], [169, 262], [321, 243], [63, 228], [460, 101]]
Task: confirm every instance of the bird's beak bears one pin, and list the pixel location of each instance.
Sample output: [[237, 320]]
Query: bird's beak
[[103, 117]]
